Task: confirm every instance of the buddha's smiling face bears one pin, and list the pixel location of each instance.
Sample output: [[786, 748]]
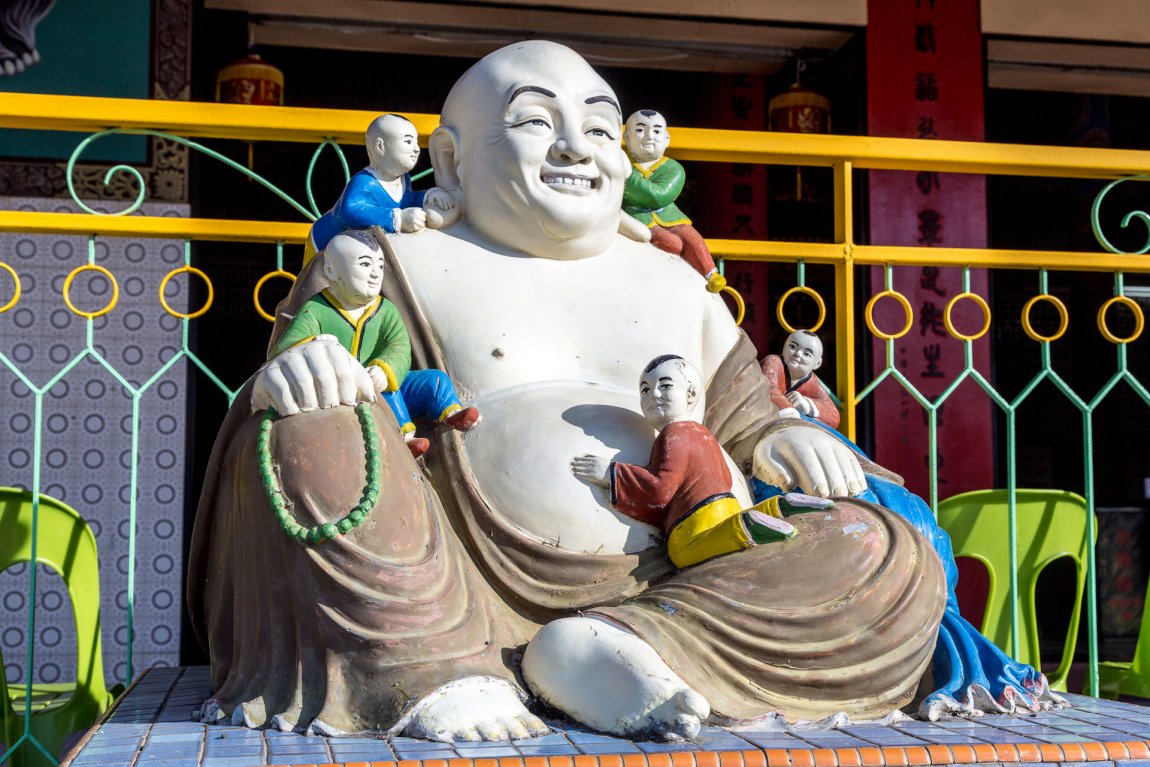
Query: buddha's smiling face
[[538, 155]]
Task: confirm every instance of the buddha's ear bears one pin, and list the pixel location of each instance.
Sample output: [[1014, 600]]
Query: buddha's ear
[[443, 149]]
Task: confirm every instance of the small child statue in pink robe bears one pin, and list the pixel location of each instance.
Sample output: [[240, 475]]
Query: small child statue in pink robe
[[795, 389]]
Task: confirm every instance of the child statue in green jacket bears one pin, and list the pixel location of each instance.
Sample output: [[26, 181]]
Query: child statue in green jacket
[[651, 190], [369, 326]]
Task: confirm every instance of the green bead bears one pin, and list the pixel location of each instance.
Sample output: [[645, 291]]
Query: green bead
[[279, 502]]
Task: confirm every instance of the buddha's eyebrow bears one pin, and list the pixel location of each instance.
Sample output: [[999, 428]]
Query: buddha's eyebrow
[[605, 100], [530, 89]]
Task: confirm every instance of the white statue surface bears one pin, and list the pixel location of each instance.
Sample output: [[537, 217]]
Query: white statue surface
[[543, 313]]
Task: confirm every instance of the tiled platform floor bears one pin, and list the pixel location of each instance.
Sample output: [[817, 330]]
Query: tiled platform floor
[[152, 727]]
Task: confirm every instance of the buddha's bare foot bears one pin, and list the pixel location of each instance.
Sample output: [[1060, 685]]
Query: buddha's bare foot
[[607, 678], [477, 708]]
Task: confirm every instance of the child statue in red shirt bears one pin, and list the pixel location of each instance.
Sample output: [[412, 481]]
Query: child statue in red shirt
[[686, 487]]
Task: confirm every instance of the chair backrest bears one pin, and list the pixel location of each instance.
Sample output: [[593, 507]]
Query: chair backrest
[[1140, 665], [64, 543], [1051, 524]]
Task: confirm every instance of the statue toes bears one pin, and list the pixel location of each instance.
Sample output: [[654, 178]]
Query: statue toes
[[535, 726], [516, 729], [491, 730], [468, 734], [681, 716]]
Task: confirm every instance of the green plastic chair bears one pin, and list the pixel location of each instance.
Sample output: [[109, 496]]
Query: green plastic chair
[[9, 730], [66, 544], [1132, 677], [1051, 524]]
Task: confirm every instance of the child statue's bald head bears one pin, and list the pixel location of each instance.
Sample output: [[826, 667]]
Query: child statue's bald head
[[353, 265]]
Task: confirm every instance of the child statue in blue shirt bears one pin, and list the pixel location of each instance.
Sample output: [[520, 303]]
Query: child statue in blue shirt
[[381, 194]]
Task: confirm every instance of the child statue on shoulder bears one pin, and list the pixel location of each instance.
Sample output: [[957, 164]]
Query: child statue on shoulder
[[652, 189], [381, 194]]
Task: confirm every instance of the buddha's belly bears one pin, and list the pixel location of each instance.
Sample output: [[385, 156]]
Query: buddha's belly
[[521, 456]]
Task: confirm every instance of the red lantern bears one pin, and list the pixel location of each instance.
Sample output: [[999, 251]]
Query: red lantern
[[250, 80]]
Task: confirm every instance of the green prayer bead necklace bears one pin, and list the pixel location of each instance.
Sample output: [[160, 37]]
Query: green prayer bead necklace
[[279, 502]]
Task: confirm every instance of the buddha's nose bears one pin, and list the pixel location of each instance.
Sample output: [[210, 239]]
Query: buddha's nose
[[574, 149]]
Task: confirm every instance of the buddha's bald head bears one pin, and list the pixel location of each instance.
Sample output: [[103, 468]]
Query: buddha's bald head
[[530, 134]]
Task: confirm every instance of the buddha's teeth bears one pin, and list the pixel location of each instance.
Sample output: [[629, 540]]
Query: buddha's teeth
[[565, 180]]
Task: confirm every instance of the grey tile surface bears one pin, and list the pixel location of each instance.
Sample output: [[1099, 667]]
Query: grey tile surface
[[153, 726]]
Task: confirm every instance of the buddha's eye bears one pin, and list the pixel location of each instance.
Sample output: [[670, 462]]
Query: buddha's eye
[[533, 122]]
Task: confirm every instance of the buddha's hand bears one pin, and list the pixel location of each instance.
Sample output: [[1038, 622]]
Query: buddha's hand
[[810, 459], [317, 374]]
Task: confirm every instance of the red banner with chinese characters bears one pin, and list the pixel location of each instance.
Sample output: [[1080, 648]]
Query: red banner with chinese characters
[[925, 80], [732, 197]]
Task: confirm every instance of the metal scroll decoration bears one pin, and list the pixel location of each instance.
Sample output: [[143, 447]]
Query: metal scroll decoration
[[1140, 215], [135, 185]]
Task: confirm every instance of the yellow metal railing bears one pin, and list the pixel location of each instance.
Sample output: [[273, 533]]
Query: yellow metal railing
[[844, 154]]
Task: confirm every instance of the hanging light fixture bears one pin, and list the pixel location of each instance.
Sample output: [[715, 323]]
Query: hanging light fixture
[[250, 80], [798, 109]]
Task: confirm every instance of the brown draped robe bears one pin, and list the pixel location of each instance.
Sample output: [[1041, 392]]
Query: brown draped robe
[[437, 586]]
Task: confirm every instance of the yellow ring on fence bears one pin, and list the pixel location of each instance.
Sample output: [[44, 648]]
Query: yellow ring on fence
[[1139, 320], [869, 314], [68, 286], [740, 305], [981, 302], [190, 270], [1063, 321], [818, 300], [256, 293], [16, 293]]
